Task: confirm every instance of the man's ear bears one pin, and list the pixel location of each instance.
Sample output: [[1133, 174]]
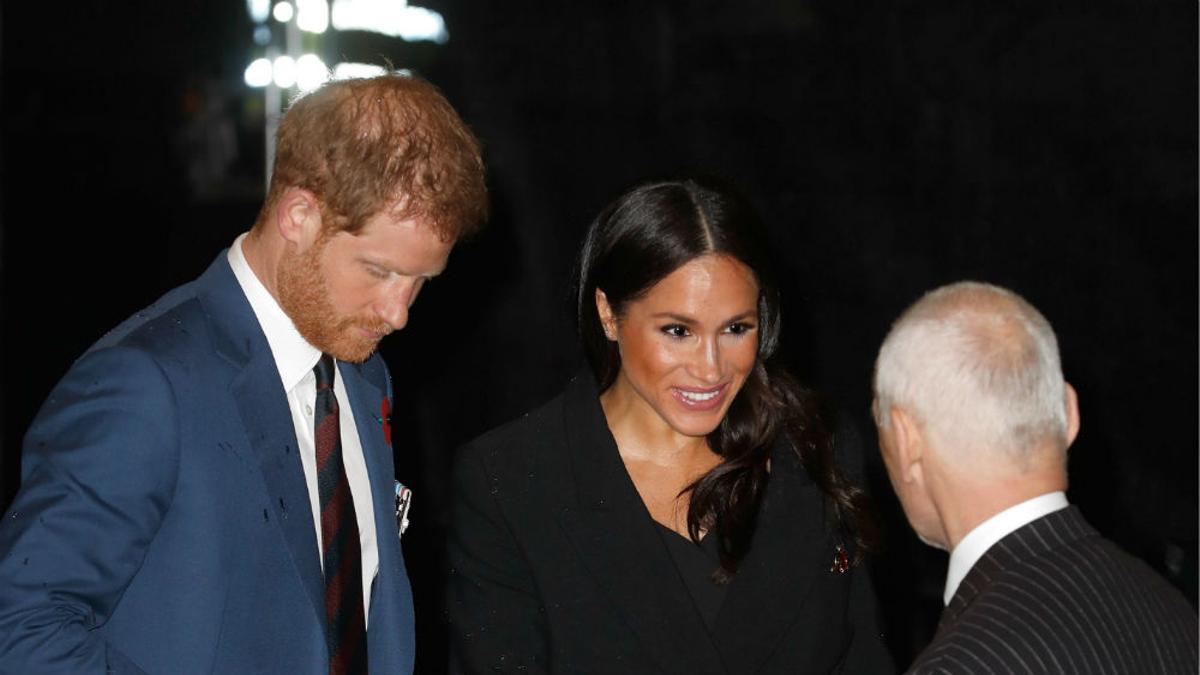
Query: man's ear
[[1072, 403], [909, 446], [608, 319], [298, 217]]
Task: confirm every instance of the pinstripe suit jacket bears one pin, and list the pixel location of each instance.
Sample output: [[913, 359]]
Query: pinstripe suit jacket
[[1056, 597]]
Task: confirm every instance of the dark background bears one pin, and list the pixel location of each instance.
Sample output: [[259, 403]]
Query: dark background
[[892, 147]]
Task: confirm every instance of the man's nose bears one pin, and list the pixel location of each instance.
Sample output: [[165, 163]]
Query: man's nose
[[397, 298]]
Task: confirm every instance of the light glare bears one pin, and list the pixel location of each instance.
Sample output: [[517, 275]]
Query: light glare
[[310, 72], [354, 71], [258, 73], [259, 10], [312, 15], [284, 72], [283, 12], [391, 18]]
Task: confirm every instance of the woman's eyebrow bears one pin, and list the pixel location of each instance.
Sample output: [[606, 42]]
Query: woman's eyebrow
[[748, 314]]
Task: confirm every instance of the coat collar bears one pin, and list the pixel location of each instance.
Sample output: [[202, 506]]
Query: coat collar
[[620, 546], [389, 643], [1059, 529], [267, 420], [790, 551], [617, 541]]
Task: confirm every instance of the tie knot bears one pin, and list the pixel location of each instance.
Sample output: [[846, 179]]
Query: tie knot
[[324, 371]]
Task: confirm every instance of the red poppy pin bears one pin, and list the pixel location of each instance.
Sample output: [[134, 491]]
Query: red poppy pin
[[841, 561], [385, 417]]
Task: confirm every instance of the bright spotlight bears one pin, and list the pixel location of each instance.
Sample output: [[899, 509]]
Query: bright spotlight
[[354, 71], [284, 72], [283, 12], [394, 19], [259, 10], [312, 15], [419, 24], [258, 73], [310, 72]]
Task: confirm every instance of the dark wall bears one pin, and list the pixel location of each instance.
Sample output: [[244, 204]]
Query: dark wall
[[891, 147]]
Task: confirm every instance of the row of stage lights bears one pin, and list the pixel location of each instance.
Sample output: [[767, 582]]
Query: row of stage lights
[[305, 73], [394, 18]]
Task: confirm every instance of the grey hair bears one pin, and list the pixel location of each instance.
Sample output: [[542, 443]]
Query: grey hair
[[979, 369]]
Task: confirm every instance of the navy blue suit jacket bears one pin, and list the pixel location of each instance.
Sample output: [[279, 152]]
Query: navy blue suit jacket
[[163, 523]]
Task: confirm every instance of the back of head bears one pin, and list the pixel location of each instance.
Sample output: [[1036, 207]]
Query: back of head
[[978, 368], [654, 229], [392, 143]]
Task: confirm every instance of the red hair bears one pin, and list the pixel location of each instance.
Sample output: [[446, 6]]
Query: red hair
[[386, 143]]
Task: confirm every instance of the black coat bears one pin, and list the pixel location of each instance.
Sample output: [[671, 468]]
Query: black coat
[[1056, 597], [558, 567]]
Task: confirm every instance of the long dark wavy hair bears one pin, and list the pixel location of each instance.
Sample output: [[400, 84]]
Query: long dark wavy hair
[[636, 241]]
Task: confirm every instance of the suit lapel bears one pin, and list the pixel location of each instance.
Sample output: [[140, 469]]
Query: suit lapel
[[620, 547], [388, 642], [789, 552], [366, 400], [268, 423], [267, 420], [976, 580]]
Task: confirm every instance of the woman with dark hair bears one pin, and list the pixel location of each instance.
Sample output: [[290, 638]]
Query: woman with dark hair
[[677, 509]]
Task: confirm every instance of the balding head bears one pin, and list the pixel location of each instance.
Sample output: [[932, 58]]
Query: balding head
[[978, 368]]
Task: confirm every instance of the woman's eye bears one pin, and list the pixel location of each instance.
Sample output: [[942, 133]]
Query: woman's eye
[[740, 328], [377, 271], [675, 330]]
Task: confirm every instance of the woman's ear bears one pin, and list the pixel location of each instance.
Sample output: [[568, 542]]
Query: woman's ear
[[607, 318]]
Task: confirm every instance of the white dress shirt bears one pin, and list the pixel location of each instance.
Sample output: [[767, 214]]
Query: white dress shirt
[[295, 359], [986, 534]]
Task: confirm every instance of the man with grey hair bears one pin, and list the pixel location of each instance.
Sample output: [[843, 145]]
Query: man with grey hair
[[974, 423]]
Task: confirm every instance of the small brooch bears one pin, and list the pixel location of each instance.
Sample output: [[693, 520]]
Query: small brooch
[[841, 561], [385, 412], [403, 502]]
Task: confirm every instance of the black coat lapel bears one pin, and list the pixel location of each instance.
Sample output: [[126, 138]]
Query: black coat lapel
[[790, 551], [266, 419], [621, 548]]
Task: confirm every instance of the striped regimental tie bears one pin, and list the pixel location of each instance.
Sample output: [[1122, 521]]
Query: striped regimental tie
[[345, 629]]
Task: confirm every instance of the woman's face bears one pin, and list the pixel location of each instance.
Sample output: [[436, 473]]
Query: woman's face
[[688, 344]]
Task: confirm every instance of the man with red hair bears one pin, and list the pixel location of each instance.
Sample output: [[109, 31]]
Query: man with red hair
[[210, 488]]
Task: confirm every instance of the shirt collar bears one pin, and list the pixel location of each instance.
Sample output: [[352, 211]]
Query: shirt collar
[[986, 534], [294, 356]]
